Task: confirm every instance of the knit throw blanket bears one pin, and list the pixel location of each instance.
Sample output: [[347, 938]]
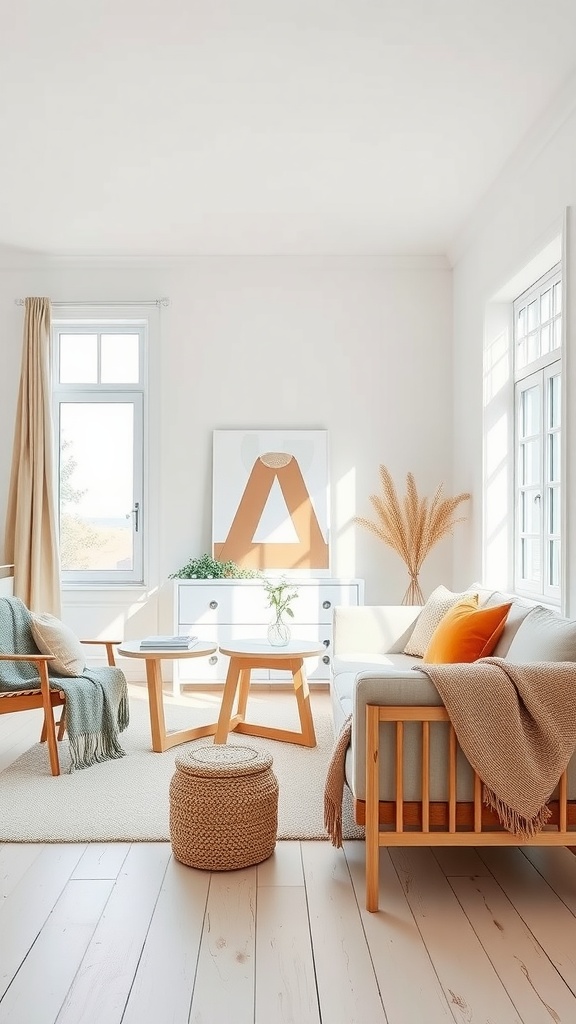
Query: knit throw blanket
[[516, 725], [334, 785], [96, 702]]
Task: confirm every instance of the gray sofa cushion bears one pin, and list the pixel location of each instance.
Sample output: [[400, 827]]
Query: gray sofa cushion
[[518, 612], [543, 636]]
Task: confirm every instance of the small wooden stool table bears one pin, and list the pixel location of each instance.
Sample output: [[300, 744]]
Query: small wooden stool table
[[161, 740], [248, 654]]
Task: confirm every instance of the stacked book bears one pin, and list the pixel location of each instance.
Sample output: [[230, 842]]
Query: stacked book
[[168, 643]]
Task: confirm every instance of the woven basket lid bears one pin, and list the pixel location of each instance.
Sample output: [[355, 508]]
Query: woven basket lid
[[223, 760]]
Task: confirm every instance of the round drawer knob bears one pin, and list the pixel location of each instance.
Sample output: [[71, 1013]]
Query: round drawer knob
[[326, 643], [326, 659], [326, 604], [213, 660], [213, 604]]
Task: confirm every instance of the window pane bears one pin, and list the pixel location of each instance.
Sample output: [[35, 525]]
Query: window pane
[[530, 509], [533, 315], [521, 323], [554, 507], [530, 411], [545, 306], [533, 346], [96, 485], [554, 458], [119, 358], [530, 462], [558, 297], [531, 570], [554, 401], [545, 335], [522, 354], [554, 562], [557, 339], [78, 358]]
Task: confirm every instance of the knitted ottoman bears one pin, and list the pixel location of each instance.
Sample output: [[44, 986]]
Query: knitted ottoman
[[223, 807]]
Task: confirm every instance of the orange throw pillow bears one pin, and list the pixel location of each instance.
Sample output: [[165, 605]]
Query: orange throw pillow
[[466, 633]]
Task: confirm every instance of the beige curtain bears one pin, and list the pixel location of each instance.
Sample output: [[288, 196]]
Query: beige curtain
[[31, 541]]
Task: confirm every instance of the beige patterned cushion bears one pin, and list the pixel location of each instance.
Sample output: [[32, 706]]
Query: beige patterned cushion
[[53, 637], [440, 601]]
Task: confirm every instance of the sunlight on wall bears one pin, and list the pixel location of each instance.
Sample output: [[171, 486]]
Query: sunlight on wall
[[498, 447], [343, 554]]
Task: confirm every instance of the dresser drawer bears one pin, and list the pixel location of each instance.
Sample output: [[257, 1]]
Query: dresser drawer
[[208, 604]]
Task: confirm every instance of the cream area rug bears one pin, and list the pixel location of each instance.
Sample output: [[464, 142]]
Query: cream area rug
[[126, 800]]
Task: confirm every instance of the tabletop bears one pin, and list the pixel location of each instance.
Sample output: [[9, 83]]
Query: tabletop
[[132, 649], [260, 649]]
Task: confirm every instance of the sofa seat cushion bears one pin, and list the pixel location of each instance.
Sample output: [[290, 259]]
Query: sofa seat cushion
[[346, 670], [358, 662]]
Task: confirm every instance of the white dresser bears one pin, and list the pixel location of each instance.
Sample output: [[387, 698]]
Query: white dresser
[[227, 610]]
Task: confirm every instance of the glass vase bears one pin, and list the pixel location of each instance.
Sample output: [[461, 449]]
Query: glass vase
[[278, 632]]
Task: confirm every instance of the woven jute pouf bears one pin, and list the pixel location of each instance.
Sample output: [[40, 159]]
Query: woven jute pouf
[[223, 807]]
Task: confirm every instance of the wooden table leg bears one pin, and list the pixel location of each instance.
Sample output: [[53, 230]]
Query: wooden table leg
[[156, 703], [302, 693], [225, 716], [243, 691]]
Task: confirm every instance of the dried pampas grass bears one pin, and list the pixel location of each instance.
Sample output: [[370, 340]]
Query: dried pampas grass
[[413, 525]]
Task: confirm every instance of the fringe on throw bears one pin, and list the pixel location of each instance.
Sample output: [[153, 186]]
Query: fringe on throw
[[334, 786], [514, 822], [90, 748]]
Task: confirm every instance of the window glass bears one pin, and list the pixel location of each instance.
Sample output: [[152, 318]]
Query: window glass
[[120, 359], [96, 485], [78, 358]]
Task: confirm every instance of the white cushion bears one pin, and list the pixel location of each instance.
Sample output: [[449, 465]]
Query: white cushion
[[543, 635], [53, 637], [518, 612], [440, 601]]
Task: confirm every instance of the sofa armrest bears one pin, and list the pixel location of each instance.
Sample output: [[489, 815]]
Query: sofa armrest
[[373, 629], [390, 688]]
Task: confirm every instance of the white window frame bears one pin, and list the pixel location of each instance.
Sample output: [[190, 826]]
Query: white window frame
[[539, 372], [131, 393]]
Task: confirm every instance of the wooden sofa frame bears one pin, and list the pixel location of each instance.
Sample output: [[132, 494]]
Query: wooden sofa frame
[[437, 823]]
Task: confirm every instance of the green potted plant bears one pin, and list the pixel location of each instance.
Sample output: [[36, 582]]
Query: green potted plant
[[208, 568], [280, 595]]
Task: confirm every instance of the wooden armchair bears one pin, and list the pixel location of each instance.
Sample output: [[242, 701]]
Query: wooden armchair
[[45, 697]]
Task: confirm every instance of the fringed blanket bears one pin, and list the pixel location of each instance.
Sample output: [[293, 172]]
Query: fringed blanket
[[516, 725], [334, 786], [96, 702]]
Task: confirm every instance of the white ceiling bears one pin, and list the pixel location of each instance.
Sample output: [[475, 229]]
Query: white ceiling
[[265, 126]]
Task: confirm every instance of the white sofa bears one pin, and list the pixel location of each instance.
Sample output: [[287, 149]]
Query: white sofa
[[435, 799]]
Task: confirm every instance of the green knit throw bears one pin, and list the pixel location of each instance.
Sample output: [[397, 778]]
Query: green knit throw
[[97, 707]]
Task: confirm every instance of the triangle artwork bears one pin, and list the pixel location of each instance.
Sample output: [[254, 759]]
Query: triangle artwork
[[308, 551]]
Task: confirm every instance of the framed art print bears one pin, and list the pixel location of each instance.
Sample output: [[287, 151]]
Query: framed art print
[[270, 508]]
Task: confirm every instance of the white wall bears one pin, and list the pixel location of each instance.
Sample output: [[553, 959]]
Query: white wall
[[360, 347], [525, 211]]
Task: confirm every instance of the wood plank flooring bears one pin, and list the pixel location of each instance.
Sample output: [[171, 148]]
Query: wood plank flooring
[[124, 934]]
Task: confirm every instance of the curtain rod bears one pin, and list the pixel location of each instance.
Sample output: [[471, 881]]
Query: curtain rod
[[145, 302]]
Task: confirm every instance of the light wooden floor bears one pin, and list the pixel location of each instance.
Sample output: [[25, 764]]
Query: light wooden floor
[[103, 934]]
